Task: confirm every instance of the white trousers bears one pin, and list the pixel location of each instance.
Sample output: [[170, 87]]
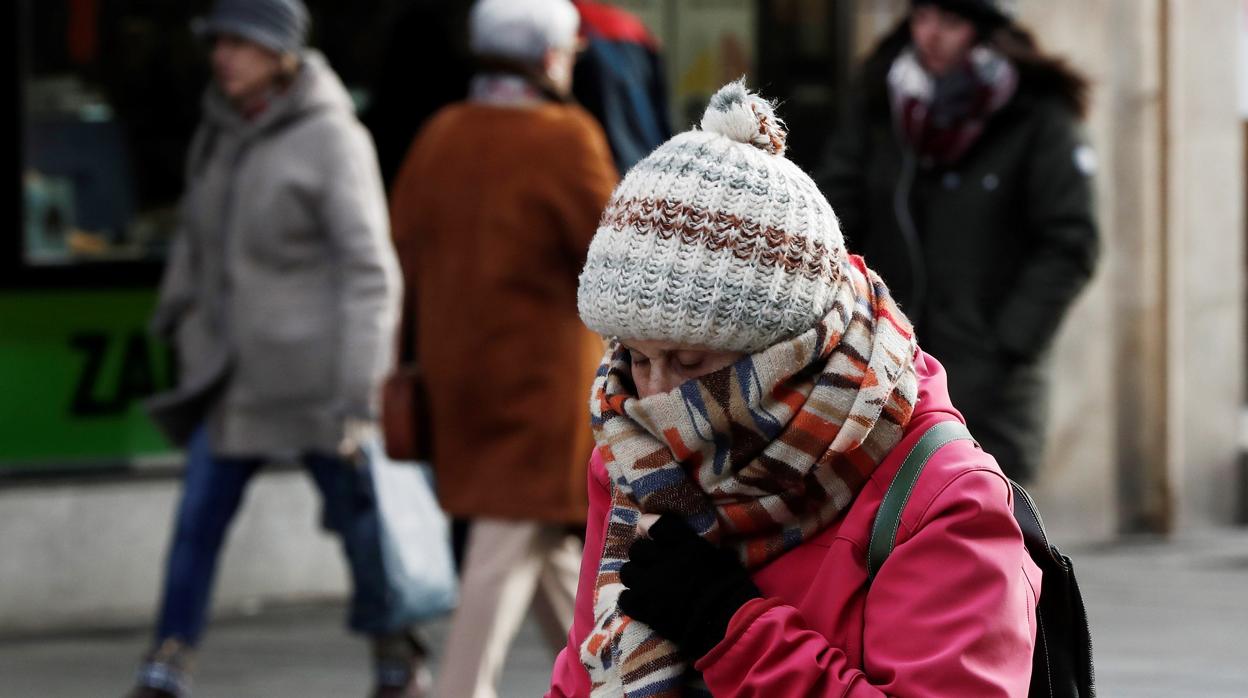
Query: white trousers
[[508, 567]]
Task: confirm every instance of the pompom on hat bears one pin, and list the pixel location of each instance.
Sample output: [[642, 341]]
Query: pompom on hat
[[715, 240]]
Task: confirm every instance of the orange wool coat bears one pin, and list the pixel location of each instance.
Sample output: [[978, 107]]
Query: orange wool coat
[[492, 215]]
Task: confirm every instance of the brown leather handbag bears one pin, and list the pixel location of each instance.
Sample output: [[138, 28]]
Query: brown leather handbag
[[404, 407]]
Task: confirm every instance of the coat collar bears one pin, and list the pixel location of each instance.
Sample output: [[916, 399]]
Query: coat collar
[[315, 88]]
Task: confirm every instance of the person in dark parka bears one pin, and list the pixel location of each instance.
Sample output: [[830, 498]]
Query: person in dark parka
[[960, 173], [619, 79]]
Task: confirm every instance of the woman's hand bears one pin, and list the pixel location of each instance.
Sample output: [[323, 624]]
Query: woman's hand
[[355, 433], [684, 587]]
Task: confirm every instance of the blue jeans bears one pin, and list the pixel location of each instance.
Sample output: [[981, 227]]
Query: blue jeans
[[212, 490]]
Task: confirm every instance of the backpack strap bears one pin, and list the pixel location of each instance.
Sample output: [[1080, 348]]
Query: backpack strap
[[1062, 662], [888, 518]]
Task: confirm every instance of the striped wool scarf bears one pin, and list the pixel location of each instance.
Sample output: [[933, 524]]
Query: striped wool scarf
[[758, 457], [942, 118]]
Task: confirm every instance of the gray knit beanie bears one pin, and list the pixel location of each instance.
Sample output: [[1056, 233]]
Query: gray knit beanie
[[279, 25], [714, 240]]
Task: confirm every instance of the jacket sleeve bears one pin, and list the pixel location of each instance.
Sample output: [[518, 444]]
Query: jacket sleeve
[[178, 282], [404, 232], [569, 678], [404, 209], [177, 287], [588, 177], [1061, 220], [353, 208], [842, 174], [950, 613]]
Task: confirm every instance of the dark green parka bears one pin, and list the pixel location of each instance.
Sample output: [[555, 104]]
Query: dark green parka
[[1001, 242]]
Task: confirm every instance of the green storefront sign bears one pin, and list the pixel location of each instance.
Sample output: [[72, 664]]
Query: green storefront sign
[[74, 367]]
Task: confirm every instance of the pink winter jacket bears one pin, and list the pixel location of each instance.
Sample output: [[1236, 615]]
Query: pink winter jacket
[[951, 613]]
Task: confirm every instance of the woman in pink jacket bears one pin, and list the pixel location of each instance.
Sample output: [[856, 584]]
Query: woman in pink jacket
[[760, 391]]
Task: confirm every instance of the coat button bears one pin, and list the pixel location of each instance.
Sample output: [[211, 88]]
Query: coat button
[[991, 182]]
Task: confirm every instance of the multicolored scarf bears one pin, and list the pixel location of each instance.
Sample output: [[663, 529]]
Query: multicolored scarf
[[941, 118], [757, 457]]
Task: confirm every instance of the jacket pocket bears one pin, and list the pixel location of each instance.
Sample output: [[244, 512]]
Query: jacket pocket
[[288, 362]]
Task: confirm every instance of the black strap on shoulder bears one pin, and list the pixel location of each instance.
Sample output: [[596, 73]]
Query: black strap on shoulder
[[888, 518]]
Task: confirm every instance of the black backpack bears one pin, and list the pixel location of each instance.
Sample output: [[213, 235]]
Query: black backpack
[[1062, 662]]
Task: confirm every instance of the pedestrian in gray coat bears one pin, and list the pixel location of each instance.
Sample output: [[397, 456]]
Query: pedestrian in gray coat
[[281, 297]]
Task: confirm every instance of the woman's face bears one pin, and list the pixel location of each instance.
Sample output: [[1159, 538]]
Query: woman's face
[[941, 38], [658, 367], [243, 70]]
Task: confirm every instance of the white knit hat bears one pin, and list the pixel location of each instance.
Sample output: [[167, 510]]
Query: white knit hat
[[715, 239], [522, 30]]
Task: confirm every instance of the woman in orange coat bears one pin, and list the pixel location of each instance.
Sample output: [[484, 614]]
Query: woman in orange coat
[[492, 215]]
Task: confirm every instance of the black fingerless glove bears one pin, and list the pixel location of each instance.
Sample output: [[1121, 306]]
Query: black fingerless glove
[[684, 587]]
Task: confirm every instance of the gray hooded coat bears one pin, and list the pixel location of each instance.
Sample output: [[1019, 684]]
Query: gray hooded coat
[[281, 292]]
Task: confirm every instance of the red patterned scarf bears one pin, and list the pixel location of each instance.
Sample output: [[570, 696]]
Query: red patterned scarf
[[942, 118], [757, 457]]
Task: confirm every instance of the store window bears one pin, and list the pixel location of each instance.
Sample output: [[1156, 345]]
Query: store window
[[108, 95], [794, 51]]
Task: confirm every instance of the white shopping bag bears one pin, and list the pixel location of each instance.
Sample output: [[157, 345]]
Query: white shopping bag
[[415, 537]]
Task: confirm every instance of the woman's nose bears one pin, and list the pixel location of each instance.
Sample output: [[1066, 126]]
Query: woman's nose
[[662, 378]]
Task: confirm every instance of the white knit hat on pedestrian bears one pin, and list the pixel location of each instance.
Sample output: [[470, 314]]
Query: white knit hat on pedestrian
[[522, 30], [715, 240]]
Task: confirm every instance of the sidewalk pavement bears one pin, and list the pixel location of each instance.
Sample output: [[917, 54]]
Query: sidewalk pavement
[[1168, 619]]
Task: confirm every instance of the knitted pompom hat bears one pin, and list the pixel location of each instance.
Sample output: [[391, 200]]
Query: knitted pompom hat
[[714, 240]]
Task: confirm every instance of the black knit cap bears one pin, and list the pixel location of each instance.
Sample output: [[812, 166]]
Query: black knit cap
[[279, 25], [984, 13]]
